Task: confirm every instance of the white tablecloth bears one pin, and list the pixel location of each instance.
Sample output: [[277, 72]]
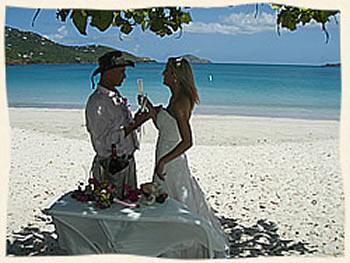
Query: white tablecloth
[[149, 230]]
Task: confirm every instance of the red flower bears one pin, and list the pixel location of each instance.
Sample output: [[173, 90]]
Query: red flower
[[94, 181], [133, 197], [128, 187]]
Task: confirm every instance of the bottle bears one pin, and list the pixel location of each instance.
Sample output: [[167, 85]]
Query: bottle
[[114, 165]]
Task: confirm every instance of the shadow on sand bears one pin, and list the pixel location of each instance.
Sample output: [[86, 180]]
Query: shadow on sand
[[30, 241], [260, 239]]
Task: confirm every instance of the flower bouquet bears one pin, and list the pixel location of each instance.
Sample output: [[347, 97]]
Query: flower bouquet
[[104, 194], [100, 192], [152, 192], [148, 194]]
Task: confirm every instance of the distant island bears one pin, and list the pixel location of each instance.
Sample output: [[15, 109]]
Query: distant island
[[24, 47], [332, 65], [194, 59]]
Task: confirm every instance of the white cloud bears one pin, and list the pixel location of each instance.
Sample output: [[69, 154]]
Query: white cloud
[[242, 23], [62, 30], [236, 23], [137, 48], [62, 33]]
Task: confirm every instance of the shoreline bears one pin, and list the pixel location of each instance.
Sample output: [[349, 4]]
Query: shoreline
[[197, 112], [71, 124]]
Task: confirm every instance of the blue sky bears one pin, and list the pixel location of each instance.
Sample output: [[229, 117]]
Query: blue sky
[[228, 34]]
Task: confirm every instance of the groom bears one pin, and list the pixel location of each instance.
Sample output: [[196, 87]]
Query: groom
[[108, 118]]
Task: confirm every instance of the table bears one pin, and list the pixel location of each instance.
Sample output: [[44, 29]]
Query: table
[[148, 230]]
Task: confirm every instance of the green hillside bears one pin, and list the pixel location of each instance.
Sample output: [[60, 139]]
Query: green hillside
[[23, 47]]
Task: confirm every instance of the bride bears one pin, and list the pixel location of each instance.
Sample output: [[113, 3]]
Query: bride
[[174, 139]]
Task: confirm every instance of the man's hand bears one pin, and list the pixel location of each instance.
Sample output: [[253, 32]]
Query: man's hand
[[141, 99], [140, 117]]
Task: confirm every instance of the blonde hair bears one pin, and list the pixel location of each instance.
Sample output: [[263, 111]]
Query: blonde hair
[[184, 75]]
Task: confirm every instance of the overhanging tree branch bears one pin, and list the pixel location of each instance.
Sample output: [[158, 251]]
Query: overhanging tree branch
[[165, 21], [161, 20], [290, 17]]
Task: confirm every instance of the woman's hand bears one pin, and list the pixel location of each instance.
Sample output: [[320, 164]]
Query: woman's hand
[[153, 112], [160, 169], [141, 117]]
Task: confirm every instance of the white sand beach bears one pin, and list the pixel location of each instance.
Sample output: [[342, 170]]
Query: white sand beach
[[283, 170]]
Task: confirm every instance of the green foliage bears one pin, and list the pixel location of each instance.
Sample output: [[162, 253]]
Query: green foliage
[[100, 19], [79, 21], [289, 17], [161, 21]]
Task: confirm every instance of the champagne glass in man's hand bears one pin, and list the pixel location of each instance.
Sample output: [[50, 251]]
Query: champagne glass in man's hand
[[142, 98]]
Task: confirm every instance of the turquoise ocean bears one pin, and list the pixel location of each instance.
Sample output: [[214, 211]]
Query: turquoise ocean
[[285, 91]]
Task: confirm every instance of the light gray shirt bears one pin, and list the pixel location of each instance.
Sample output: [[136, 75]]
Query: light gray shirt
[[106, 114]]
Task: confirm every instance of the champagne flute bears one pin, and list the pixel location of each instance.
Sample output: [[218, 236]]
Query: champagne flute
[[143, 96]]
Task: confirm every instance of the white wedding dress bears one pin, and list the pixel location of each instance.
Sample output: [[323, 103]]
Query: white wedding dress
[[183, 187]]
